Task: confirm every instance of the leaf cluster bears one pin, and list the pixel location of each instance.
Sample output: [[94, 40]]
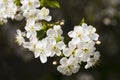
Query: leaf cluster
[[44, 3], [50, 3]]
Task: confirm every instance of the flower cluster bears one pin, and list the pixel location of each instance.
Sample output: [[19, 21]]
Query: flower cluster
[[33, 17], [81, 48], [46, 40], [7, 10]]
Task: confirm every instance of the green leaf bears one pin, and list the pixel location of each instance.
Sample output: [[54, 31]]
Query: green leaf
[[50, 3], [58, 38], [42, 33], [42, 1], [82, 21], [17, 2]]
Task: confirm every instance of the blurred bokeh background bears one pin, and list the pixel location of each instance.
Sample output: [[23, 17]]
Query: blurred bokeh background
[[17, 63]]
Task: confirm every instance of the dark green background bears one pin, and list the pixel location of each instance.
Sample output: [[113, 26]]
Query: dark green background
[[17, 63]]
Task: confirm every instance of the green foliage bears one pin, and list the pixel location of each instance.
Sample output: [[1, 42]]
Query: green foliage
[[17, 2], [50, 3], [58, 38], [44, 3], [45, 26], [42, 33], [82, 21]]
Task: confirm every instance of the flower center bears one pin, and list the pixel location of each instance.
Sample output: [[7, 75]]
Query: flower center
[[79, 35], [30, 3], [69, 67], [32, 28], [54, 48], [85, 50], [42, 50], [44, 12]]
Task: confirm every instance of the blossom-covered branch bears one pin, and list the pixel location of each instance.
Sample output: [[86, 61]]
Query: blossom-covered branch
[[46, 39]]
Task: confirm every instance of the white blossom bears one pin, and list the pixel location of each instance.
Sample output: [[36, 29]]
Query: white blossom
[[85, 50], [81, 47], [42, 51], [31, 45], [91, 31], [31, 28], [19, 37], [7, 9], [54, 46], [19, 14], [29, 4], [93, 60], [32, 14], [68, 66], [44, 14], [70, 50], [55, 32], [79, 33]]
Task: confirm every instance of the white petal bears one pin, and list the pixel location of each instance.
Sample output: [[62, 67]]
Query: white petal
[[91, 44], [91, 29], [51, 41], [48, 53], [48, 18], [39, 45], [96, 55], [76, 40], [26, 44], [45, 10], [58, 29], [94, 36], [51, 32], [36, 53], [71, 45], [71, 34], [61, 69], [88, 65], [84, 57], [58, 52], [66, 52], [37, 3], [44, 43], [85, 38], [19, 32], [63, 61], [28, 34], [76, 68], [33, 39], [60, 45], [38, 26], [52, 54], [84, 25], [43, 58], [81, 45], [77, 28], [78, 53], [30, 22], [68, 73]]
